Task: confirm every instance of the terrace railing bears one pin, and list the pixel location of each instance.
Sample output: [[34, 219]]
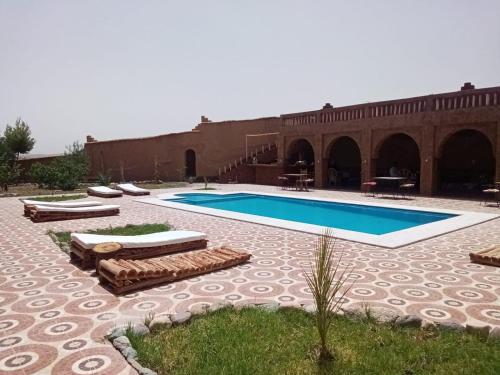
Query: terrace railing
[[472, 98]]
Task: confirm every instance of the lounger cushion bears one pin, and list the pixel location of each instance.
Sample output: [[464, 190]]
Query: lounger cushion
[[104, 190], [62, 204], [88, 241], [132, 188], [100, 208]]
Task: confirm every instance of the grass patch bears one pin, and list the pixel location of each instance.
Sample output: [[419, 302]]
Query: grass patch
[[254, 341], [64, 238], [163, 185], [28, 190], [208, 188], [57, 198]]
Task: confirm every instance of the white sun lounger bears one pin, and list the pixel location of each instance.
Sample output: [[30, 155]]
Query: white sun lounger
[[103, 192], [46, 213], [29, 204], [135, 247], [131, 189]]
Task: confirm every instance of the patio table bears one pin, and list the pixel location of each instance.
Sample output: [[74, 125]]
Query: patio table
[[492, 194], [299, 180], [389, 184]]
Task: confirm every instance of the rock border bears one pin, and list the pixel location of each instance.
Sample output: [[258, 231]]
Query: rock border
[[381, 315], [62, 245]]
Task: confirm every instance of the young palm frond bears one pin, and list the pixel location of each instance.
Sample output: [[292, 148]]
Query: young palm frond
[[326, 281]]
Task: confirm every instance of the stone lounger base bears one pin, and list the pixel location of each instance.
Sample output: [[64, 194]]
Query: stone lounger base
[[86, 258], [101, 195], [41, 216]]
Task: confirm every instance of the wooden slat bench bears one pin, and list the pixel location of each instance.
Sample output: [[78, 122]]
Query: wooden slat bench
[[489, 256], [128, 275]]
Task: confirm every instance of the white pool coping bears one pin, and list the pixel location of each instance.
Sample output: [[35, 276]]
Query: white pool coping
[[390, 240]]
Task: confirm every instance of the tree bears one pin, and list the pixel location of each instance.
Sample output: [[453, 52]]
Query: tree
[[18, 139], [65, 172], [9, 173], [45, 175], [72, 167], [15, 140]]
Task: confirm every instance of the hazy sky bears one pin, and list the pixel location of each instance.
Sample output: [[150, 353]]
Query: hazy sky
[[117, 69]]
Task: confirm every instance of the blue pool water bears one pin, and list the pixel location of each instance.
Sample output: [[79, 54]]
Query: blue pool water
[[354, 217]]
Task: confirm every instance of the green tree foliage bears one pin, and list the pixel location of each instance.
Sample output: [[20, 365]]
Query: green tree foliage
[[65, 172], [18, 138], [72, 167], [15, 140], [9, 173], [5, 153], [44, 175]]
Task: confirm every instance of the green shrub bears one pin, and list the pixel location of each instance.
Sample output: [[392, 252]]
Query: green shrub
[[65, 172], [44, 175], [9, 173], [326, 280], [104, 178]]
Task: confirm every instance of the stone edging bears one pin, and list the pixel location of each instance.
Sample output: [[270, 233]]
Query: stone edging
[[379, 314], [63, 246]]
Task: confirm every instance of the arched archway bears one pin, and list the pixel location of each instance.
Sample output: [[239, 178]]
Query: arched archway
[[402, 152], [466, 162], [190, 163], [344, 164], [300, 156]]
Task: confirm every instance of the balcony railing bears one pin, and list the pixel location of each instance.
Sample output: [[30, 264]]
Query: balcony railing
[[472, 98]]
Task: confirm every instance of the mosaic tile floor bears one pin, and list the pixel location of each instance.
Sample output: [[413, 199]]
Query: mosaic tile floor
[[53, 316]]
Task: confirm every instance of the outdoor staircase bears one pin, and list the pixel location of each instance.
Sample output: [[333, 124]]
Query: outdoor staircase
[[239, 171]]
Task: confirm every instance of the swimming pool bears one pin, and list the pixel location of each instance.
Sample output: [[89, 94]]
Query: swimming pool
[[374, 223], [353, 217]]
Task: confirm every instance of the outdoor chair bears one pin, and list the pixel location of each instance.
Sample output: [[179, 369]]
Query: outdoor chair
[[406, 189], [125, 275], [131, 189], [369, 188], [45, 213], [134, 247], [332, 177], [306, 183], [29, 205], [103, 192], [283, 182]]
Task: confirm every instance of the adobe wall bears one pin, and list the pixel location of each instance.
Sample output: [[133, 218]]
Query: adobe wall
[[215, 145]]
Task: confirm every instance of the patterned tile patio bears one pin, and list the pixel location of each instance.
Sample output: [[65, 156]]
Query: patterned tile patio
[[53, 316]]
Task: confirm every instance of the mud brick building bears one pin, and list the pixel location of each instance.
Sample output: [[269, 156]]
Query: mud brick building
[[446, 142]]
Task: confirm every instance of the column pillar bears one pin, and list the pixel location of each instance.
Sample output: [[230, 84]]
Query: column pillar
[[497, 154], [281, 150], [319, 176], [428, 162], [366, 155]]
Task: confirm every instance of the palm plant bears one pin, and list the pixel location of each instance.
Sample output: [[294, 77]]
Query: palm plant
[[326, 281]]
